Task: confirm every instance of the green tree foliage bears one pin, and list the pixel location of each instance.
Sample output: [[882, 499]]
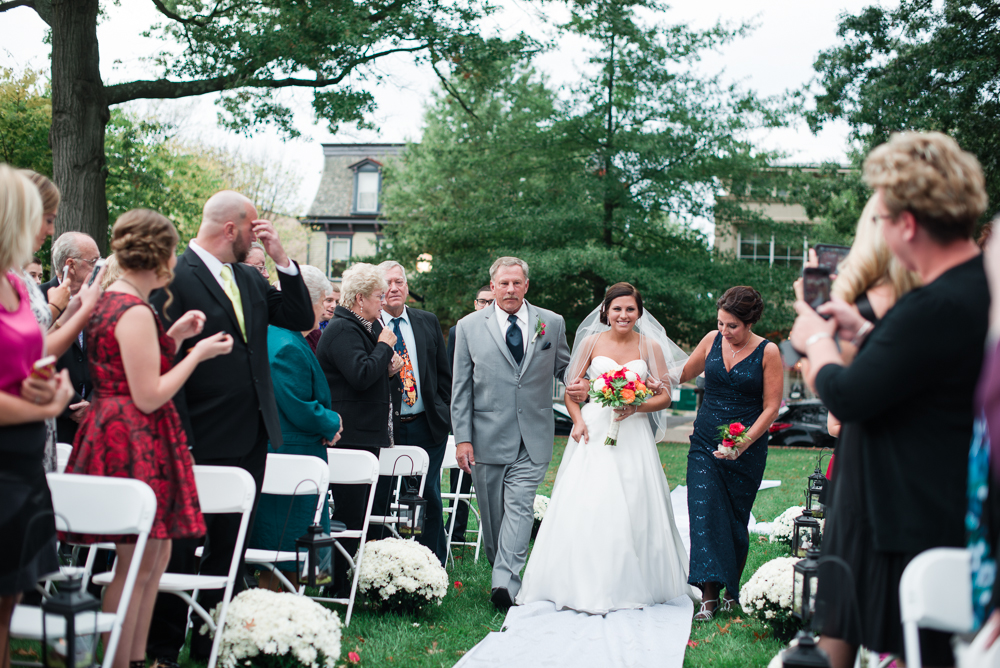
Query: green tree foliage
[[921, 65], [592, 189], [25, 118]]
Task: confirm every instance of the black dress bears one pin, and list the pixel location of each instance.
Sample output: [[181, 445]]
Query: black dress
[[721, 492], [906, 403]]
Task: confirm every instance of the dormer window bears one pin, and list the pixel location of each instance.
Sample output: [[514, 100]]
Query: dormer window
[[367, 183]]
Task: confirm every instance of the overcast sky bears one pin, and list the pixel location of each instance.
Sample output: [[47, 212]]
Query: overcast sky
[[776, 57]]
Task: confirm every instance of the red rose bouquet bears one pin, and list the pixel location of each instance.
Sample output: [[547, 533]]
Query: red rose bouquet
[[732, 435], [618, 388]]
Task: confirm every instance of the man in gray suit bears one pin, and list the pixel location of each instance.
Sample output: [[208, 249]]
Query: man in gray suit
[[501, 411]]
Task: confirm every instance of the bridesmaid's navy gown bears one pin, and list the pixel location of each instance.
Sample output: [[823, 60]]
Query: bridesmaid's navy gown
[[721, 492]]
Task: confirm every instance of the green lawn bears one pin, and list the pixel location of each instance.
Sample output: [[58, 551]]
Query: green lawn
[[442, 635]]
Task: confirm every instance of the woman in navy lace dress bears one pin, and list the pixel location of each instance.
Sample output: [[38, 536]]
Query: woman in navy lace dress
[[743, 383]]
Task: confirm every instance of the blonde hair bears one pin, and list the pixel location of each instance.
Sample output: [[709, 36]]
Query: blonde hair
[[871, 263], [360, 279], [112, 272], [48, 190], [20, 218], [929, 175]]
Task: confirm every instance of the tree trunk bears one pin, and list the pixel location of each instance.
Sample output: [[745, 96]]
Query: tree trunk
[[79, 116]]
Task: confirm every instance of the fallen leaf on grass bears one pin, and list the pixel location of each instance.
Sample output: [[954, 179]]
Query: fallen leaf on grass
[[434, 649], [21, 651], [759, 636], [353, 657], [737, 620], [723, 630], [692, 643]]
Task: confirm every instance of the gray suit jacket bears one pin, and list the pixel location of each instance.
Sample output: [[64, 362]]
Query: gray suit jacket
[[494, 404]]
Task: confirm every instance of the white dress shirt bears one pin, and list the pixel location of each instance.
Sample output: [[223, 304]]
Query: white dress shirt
[[411, 349], [215, 265], [522, 322]]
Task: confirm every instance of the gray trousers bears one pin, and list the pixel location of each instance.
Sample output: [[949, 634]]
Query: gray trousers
[[506, 496]]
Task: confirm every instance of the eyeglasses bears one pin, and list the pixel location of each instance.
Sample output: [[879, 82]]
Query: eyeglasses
[[90, 262], [483, 302]]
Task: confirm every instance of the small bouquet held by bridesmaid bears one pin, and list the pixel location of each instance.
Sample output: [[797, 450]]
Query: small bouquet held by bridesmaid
[[618, 388], [732, 435]]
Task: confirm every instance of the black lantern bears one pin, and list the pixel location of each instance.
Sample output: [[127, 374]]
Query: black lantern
[[817, 481], [804, 654], [69, 627], [805, 534], [312, 543], [415, 505], [804, 586]]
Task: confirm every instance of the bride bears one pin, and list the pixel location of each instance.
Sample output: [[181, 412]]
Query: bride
[[608, 541]]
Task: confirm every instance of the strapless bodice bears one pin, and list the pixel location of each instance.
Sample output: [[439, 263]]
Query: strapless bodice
[[602, 364]]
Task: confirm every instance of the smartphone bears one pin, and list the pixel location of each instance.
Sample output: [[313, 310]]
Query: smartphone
[[830, 256], [44, 368], [65, 273], [816, 286], [97, 269], [789, 355]]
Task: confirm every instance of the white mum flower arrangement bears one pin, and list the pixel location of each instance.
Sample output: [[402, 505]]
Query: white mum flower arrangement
[[768, 597], [540, 508], [781, 527], [271, 630], [401, 574]]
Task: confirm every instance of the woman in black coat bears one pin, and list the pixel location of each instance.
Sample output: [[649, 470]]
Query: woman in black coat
[[357, 357]]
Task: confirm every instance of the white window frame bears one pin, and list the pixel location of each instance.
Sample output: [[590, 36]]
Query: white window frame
[[330, 255], [758, 256], [367, 168]]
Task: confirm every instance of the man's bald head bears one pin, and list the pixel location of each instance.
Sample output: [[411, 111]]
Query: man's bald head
[[226, 229]]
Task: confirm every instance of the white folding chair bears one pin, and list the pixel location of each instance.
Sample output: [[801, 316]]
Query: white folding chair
[[353, 467], [63, 451], [290, 475], [449, 463], [935, 592], [399, 461], [221, 490], [102, 506]]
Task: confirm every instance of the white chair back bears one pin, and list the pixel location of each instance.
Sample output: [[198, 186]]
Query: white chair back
[[295, 475], [101, 505], [352, 467], [222, 489], [935, 592], [400, 460], [63, 451], [450, 461]]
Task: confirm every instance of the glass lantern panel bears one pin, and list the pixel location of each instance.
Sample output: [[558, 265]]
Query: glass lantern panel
[[797, 595]]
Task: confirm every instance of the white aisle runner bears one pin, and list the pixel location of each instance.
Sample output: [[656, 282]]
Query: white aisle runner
[[538, 635]]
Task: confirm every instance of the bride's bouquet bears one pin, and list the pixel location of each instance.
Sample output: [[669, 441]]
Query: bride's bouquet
[[618, 388]]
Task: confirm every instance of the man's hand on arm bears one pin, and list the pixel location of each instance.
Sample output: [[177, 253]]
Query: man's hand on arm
[[578, 390]]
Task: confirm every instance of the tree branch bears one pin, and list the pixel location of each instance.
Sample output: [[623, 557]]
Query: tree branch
[[4, 6], [453, 92], [198, 20], [167, 89]]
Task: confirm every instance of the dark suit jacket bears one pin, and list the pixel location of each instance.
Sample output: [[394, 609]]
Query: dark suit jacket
[[451, 346], [356, 366], [74, 359], [434, 365], [220, 401]]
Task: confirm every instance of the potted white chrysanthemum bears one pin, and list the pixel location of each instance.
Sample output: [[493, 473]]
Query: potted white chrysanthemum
[[267, 629], [767, 595], [401, 574]]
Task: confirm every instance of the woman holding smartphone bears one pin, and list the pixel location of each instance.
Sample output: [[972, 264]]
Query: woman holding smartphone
[[26, 521], [132, 429]]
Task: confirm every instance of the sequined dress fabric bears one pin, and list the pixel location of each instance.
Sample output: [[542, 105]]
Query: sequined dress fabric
[[721, 492]]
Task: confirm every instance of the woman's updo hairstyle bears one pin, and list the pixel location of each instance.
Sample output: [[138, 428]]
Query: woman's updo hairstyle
[[742, 302], [144, 240], [614, 292]]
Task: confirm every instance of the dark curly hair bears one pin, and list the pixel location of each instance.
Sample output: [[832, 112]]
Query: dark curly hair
[[614, 292], [743, 302]]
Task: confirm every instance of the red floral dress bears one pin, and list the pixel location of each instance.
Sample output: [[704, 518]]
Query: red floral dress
[[116, 439]]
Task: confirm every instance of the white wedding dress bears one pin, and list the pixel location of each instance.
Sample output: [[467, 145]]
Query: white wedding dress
[[608, 540]]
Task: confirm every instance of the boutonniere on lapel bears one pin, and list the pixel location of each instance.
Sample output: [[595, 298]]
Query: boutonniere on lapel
[[539, 330]]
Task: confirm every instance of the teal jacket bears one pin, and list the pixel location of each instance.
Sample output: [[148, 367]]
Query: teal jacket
[[300, 389]]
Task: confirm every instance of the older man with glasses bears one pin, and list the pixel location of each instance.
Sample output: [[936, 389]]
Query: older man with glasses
[[74, 256], [256, 258]]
